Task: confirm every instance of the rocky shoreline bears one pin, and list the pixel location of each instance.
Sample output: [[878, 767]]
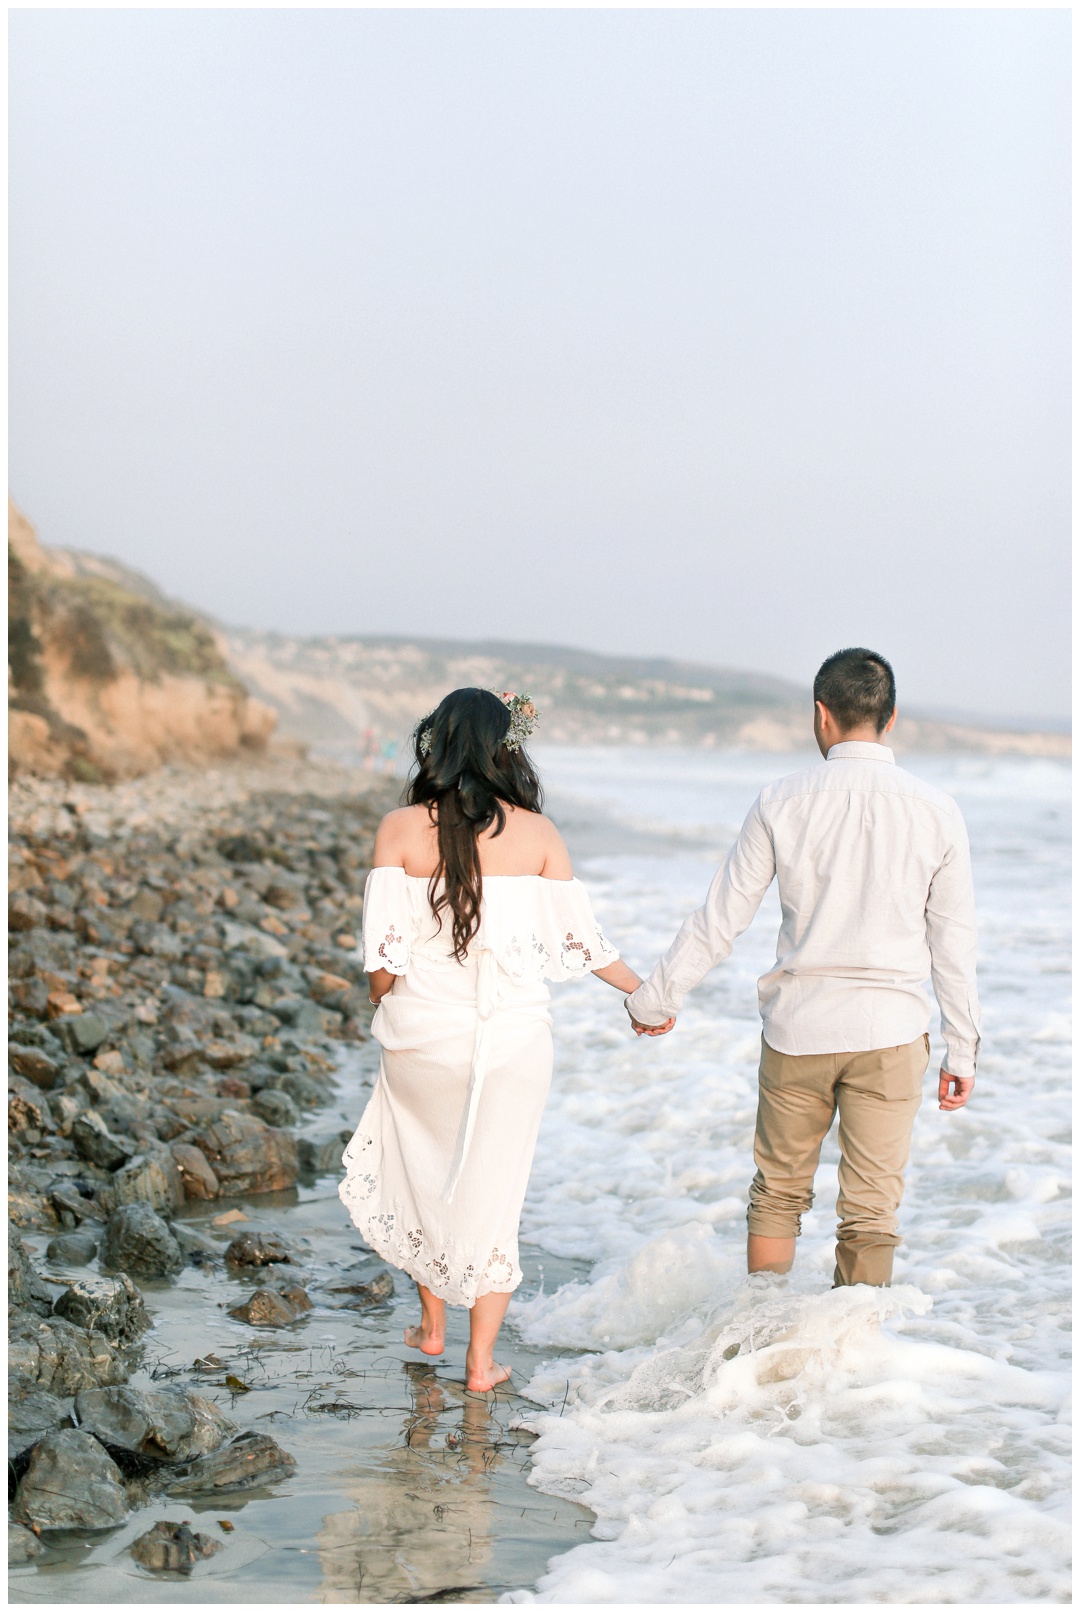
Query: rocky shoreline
[[183, 976]]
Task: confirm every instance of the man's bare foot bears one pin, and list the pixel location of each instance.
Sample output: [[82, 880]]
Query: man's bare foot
[[426, 1339], [482, 1379]]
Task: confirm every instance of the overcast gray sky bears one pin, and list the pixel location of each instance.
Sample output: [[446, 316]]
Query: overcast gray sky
[[733, 335]]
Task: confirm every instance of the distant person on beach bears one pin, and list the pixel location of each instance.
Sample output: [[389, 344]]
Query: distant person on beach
[[875, 885], [470, 907]]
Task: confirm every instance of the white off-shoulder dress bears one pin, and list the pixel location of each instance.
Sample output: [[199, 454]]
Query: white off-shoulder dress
[[437, 1170]]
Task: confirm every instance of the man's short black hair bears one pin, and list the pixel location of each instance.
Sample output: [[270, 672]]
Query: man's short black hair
[[857, 687]]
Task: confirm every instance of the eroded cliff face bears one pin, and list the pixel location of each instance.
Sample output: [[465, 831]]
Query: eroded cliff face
[[107, 678]]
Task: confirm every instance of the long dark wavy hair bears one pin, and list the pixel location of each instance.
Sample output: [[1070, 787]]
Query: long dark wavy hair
[[462, 776]]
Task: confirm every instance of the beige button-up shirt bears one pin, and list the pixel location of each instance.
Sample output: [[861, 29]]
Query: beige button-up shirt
[[874, 875]]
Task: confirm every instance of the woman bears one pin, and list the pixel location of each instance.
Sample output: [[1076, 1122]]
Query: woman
[[470, 907]]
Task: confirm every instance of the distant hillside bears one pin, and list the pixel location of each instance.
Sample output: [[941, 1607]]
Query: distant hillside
[[365, 691], [107, 677]]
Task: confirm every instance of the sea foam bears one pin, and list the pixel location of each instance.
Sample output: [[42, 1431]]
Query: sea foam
[[770, 1439]]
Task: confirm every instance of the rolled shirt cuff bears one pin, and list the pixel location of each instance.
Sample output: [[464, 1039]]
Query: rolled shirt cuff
[[644, 1006]]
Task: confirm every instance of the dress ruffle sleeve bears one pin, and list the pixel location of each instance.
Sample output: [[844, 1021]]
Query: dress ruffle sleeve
[[543, 929], [389, 924]]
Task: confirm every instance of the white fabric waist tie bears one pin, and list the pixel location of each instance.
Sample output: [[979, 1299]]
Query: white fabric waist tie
[[488, 997]]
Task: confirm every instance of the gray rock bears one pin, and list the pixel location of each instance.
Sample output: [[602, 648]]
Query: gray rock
[[25, 912], [305, 1092], [246, 1155], [35, 1064], [23, 1546], [26, 1290], [171, 1547], [166, 1424], [66, 1105], [29, 1114], [226, 1053], [319, 1157], [268, 1308], [72, 1248], [82, 1032], [259, 1248], [139, 1242], [71, 1483], [251, 1459], [95, 1142], [276, 1107], [66, 1198], [31, 1414], [199, 1248], [198, 1178], [60, 1357], [365, 1294], [152, 1177], [111, 1305]]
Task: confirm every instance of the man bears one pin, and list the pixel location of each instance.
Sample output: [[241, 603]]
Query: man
[[875, 885]]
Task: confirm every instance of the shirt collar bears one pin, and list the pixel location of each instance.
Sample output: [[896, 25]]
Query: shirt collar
[[860, 749]]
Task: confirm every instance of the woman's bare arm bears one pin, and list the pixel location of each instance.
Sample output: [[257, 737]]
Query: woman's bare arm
[[618, 974], [380, 983]]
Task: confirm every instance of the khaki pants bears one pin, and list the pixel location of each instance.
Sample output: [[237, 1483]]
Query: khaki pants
[[878, 1095]]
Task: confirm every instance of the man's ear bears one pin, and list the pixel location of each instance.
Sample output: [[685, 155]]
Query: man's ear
[[889, 724]]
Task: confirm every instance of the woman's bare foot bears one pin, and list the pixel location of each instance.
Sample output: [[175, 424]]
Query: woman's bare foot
[[425, 1339], [430, 1336], [481, 1379]]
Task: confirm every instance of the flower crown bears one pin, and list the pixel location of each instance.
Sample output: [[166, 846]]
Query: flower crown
[[523, 718]]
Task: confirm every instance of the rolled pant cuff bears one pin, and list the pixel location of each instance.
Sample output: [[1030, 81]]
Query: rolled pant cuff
[[759, 1224]]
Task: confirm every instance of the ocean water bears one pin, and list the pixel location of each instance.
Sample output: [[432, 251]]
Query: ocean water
[[768, 1439]]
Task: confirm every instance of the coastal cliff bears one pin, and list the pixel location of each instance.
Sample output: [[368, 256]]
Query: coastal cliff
[[109, 679]]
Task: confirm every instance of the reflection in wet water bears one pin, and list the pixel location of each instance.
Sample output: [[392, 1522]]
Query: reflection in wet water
[[424, 1521]]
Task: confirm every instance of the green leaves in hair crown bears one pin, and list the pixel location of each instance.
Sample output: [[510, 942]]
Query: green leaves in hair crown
[[523, 716]]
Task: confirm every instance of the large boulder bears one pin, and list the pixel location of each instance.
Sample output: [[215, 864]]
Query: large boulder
[[96, 1143], [167, 1424], [82, 1032], [72, 1248], [139, 1242], [253, 1458], [60, 1357], [70, 1483], [35, 1064], [31, 1414], [246, 1155], [151, 1177], [26, 1290], [198, 1178], [276, 1108], [112, 1305]]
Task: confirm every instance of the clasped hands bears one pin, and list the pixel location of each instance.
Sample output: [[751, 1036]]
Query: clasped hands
[[651, 1029]]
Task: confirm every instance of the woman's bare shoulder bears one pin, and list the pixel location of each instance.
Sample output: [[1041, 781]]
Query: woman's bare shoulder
[[556, 856], [398, 831]]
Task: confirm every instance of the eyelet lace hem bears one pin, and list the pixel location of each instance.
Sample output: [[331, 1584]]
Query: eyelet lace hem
[[447, 1271]]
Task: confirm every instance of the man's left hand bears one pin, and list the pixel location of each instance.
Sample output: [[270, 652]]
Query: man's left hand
[[954, 1090]]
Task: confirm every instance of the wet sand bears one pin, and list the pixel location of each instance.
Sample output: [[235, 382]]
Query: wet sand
[[407, 1488]]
